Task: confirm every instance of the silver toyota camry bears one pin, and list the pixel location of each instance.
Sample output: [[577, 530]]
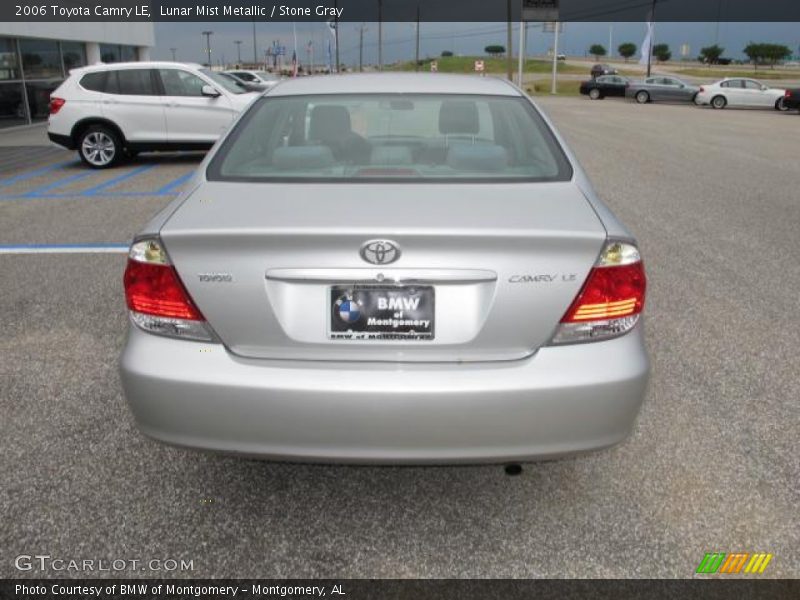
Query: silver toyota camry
[[387, 268]]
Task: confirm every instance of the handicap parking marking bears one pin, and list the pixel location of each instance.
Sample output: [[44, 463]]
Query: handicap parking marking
[[173, 187], [39, 191], [103, 189], [36, 172], [84, 248], [114, 181]]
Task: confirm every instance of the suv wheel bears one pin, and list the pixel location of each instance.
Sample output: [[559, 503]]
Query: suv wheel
[[99, 147]]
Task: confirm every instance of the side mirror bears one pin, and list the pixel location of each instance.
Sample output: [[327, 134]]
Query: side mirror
[[210, 91]]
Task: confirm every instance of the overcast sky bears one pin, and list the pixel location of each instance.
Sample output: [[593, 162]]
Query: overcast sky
[[461, 38]]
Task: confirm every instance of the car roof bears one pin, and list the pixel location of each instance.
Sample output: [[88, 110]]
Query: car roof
[[134, 64], [388, 83]]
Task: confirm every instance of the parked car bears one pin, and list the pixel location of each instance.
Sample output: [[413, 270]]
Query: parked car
[[791, 99], [661, 89], [261, 78], [247, 87], [111, 110], [605, 85], [331, 289], [598, 70], [743, 93]]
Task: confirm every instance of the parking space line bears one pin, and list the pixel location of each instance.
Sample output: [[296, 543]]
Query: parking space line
[[34, 173], [175, 183], [36, 192], [112, 182], [85, 248]]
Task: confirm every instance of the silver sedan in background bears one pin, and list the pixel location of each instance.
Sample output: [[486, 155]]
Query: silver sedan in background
[[390, 268], [661, 89]]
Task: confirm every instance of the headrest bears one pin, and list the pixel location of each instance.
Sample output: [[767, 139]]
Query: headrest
[[302, 157], [458, 116], [329, 122], [477, 157], [391, 155]]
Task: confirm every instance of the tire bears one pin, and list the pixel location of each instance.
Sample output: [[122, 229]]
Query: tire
[[100, 147], [781, 105], [642, 97], [719, 102], [594, 94]]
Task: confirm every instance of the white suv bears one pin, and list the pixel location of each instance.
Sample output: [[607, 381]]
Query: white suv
[[108, 111]]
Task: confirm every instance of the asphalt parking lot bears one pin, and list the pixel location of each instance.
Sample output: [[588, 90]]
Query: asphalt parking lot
[[712, 466]]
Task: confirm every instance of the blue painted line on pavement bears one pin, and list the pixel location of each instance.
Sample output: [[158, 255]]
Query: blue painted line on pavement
[[35, 173], [80, 248], [56, 184], [119, 179], [174, 184]]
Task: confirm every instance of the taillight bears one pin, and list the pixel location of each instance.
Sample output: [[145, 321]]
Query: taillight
[[788, 93], [56, 104], [157, 300], [611, 299]]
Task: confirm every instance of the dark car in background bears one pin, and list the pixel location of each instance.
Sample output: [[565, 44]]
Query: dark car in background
[[791, 99], [605, 85], [598, 70]]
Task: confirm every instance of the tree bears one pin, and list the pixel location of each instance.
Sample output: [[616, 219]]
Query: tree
[[661, 52], [711, 54], [626, 50], [766, 53], [597, 50], [446, 53], [495, 49]]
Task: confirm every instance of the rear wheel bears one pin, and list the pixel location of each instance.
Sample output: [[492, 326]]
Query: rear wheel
[[594, 94], [642, 97], [718, 102], [99, 147], [781, 105]]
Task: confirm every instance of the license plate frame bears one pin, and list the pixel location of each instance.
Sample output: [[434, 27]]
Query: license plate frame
[[401, 312]]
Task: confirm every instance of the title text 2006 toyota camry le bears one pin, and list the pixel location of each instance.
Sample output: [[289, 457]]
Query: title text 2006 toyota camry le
[[387, 268]]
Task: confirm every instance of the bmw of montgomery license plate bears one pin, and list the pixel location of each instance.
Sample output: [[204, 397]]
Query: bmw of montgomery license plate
[[380, 312]]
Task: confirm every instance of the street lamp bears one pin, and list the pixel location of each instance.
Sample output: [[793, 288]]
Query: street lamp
[[238, 52], [173, 50], [208, 45]]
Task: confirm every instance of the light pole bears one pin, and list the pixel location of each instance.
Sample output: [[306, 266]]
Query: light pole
[[416, 51], [208, 35], [509, 42], [652, 32], [173, 50], [255, 49], [238, 52], [361, 31], [380, 35]]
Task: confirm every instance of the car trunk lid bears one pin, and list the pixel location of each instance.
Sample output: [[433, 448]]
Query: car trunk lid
[[504, 261]]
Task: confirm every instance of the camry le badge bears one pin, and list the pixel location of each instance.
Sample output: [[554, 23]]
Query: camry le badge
[[380, 252]]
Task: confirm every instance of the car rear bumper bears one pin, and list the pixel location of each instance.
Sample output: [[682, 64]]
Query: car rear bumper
[[560, 401], [61, 140]]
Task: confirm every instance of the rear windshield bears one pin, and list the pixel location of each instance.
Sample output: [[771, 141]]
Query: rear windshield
[[403, 137]]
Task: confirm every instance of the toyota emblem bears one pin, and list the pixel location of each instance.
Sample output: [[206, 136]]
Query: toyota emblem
[[380, 252]]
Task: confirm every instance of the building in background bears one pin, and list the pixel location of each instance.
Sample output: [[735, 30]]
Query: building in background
[[36, 57]]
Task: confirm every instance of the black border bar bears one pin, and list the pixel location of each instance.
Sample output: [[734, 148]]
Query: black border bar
[[708, 588], [403, 10]]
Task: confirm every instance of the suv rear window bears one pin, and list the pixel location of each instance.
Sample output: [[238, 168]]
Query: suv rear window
[[130, 82], [95, 82], [402, 137]]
